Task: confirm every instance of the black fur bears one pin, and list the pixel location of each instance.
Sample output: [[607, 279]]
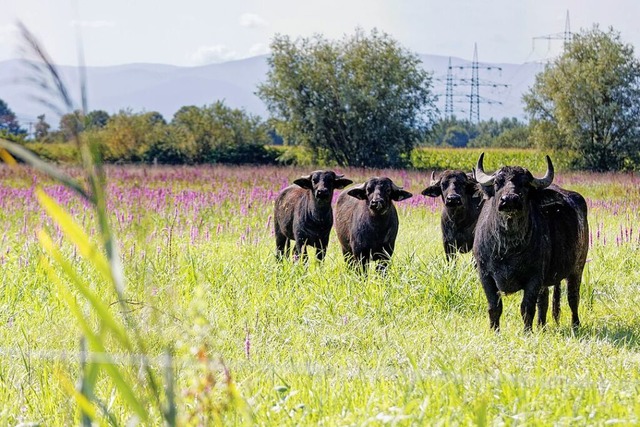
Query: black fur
[[302, 213], [530, 238], [462, 200], [367, 221]]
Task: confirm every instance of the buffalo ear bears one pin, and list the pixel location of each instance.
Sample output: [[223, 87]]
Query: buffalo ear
[[432, 191], [400, 195], [342, 182], [358, 192], [304, 182]]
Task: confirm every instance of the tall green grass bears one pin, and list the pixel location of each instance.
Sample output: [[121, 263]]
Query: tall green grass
[[316, 344]]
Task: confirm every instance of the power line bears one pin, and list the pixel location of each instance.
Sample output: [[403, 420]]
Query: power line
[[566, 36], [474, 97]]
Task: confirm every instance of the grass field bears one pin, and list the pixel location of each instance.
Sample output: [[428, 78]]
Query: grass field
[[259, 342]]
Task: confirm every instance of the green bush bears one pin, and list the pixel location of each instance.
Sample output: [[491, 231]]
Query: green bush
[[62, 152], [428, 158], [245, 154]]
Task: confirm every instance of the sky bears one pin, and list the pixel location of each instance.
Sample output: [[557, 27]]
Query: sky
[[198, 32]]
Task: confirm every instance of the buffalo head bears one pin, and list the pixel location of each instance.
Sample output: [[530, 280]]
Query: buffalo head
[[453, 186], [322, 183], [379, 194], [510, 185]]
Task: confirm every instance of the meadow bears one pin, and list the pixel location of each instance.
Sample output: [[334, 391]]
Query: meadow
[[261, 342]]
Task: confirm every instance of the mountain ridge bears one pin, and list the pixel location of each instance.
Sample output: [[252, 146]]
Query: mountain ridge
[[166, 88]]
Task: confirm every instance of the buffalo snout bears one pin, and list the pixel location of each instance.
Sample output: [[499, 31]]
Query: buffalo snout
[[510, 202], [378, 205], [453, 200], [323, 193]]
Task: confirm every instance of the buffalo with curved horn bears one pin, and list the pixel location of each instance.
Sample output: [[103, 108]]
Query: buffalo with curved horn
[[530, 235]]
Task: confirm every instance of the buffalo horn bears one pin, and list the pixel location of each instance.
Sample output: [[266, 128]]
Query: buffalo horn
[[482, 178], [545, 181], [433, 179]]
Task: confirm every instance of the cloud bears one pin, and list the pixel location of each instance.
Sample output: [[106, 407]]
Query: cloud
[[258, 49], [93, 24], [212, 54], [7, 32], [251, 20]]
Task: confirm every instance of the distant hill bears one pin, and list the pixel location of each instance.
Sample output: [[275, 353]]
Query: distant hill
[[166, 88]]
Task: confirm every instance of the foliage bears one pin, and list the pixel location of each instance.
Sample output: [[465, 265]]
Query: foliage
[[71, 124], [56, 152], [96, 119], [588, 101], [432, 158], [219, 134], [127, 136], [454, 132], [41, 129], [363, 100], [9, 125]]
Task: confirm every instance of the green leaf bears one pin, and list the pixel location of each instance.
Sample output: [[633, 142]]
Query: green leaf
[[96, 344], [75, 233], [101, 309]]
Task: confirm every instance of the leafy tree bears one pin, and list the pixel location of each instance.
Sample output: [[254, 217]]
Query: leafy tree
[[71, 124], [508, 132], [41, 129], [588, 101], [452, 132], [128, 136], [456, 136], [362, 101], [9, 125], [514, 137], [218, 133], [96, 119]]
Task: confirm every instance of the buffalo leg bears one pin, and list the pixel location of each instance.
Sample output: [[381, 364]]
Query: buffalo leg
[[449, 251], [282, 245], [557, 292], [573, 295], [543, 306], [300, 249], [494, 300], [383, 258], [321, 249], [528, 306]]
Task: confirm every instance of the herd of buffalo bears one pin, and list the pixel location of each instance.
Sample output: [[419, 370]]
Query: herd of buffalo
[[525, 232]]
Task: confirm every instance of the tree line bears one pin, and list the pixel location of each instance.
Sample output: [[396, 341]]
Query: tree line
[[364, 100]]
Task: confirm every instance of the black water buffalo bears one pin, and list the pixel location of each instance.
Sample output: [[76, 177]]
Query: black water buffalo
[[462, 202], [303, 213], [530, 235], [367, 221]]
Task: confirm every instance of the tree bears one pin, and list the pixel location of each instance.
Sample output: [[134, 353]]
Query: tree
[[96, 119], [456, 136], [128, 136], [361, 101], [8, 122], [218, 133], [588, 101], [41, 129], [71, 124]]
